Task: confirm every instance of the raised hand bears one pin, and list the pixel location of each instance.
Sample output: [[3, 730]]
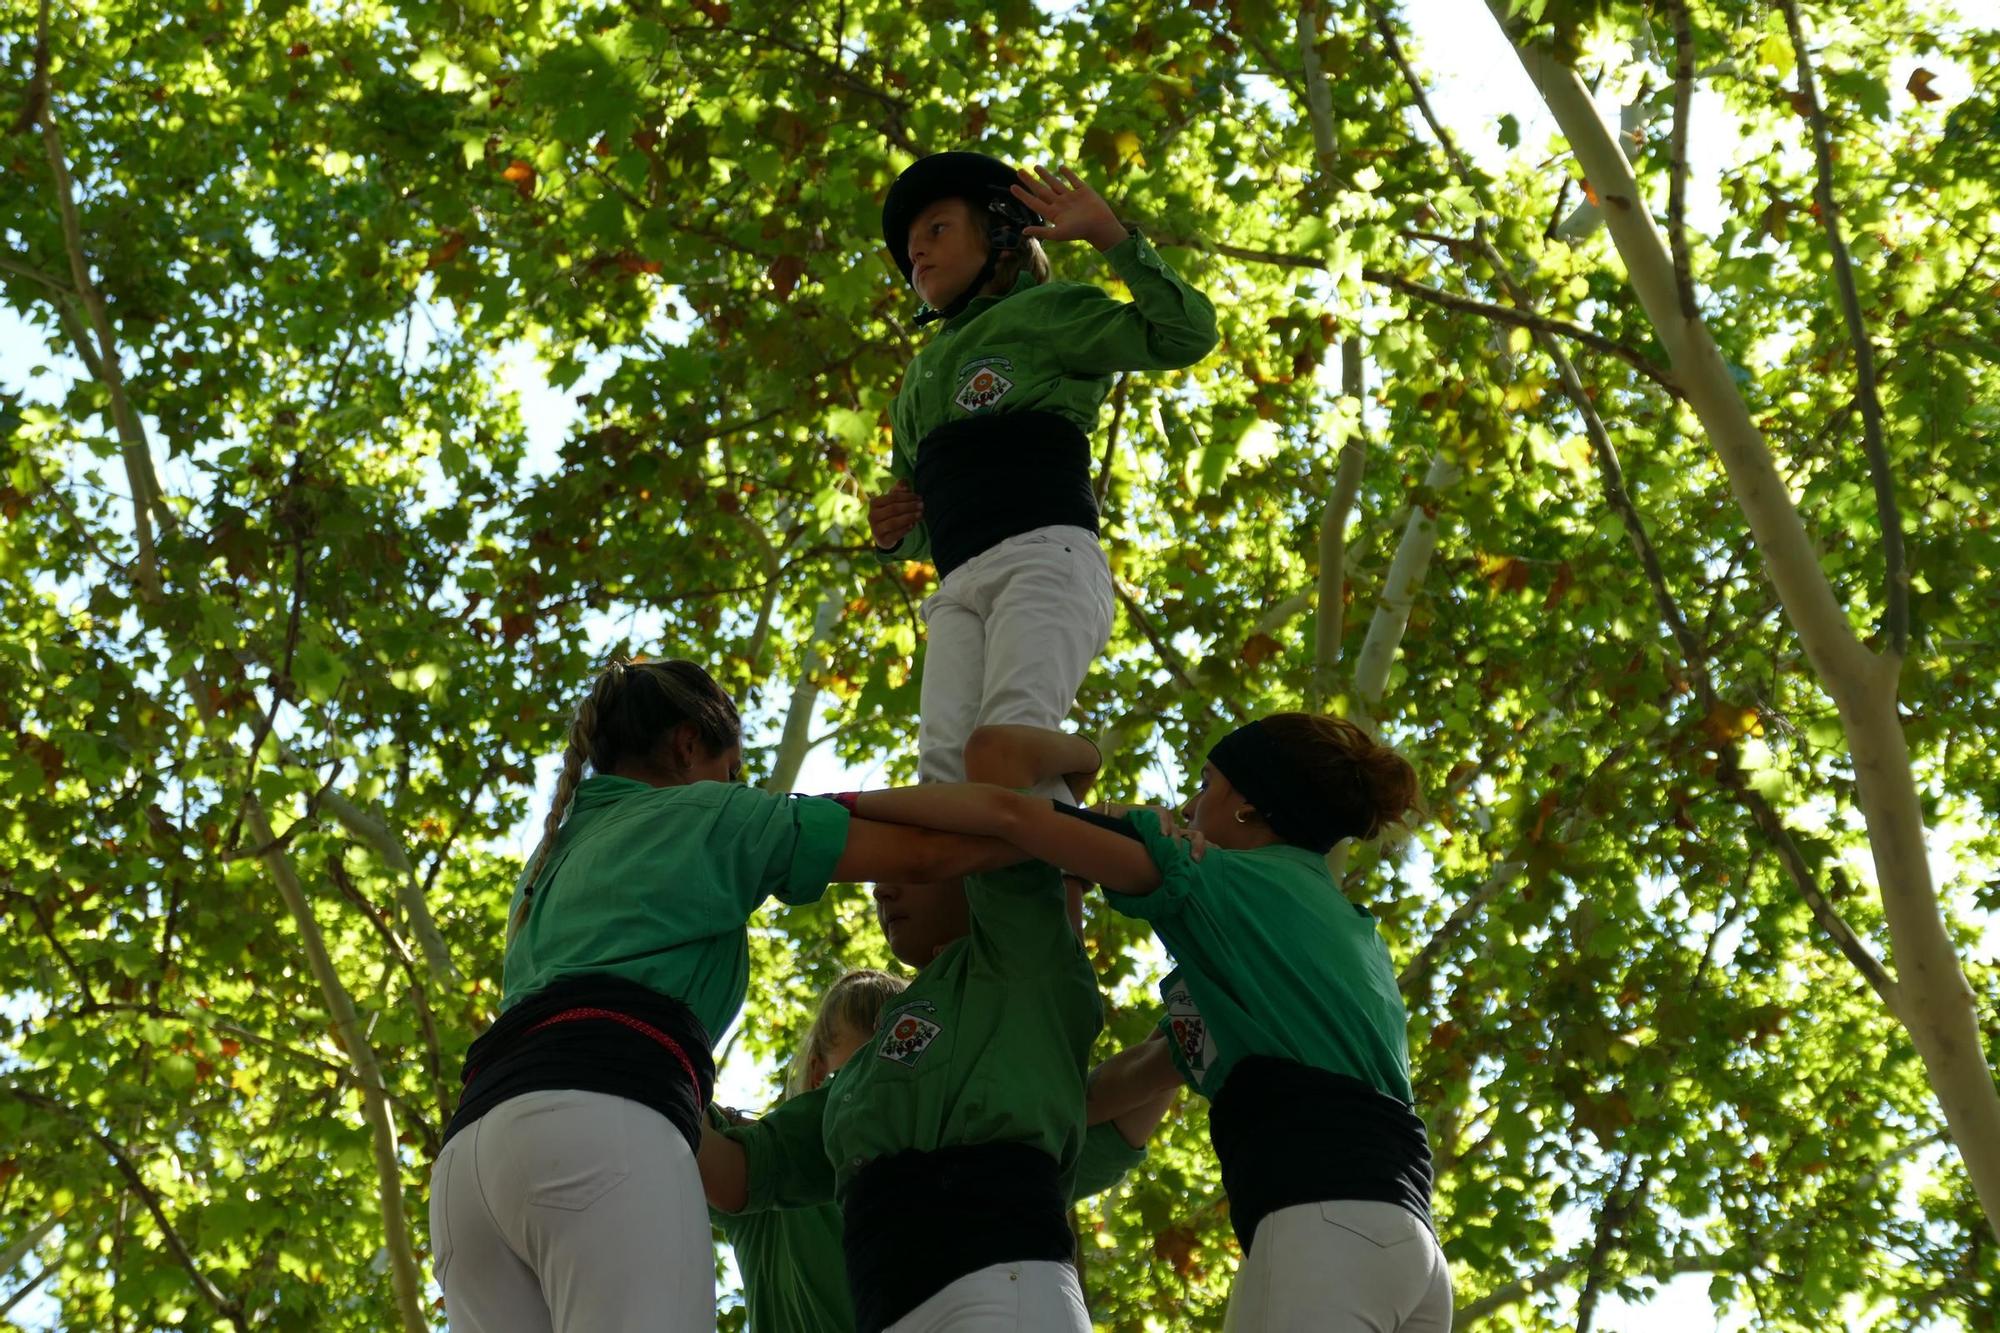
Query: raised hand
[[1074, 211]]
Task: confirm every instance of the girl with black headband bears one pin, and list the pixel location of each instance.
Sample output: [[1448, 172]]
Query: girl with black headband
[[566, 1196], [1283, 1010]]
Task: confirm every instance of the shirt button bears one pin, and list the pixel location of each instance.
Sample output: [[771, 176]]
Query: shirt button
[[847, 1097], [927, 374]]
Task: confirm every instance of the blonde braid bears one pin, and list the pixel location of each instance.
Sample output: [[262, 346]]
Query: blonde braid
[[582, 731]]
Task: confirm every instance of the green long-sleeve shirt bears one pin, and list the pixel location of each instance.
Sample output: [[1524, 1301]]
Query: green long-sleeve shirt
[[794, 1270], [988, 1045], [1049, 347]]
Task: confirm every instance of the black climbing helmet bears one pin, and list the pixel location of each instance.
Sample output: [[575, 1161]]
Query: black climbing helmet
[[983, 180]]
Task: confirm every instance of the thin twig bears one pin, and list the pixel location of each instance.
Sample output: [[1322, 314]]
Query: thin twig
[[1103, 487], [1499, 314], [1896, 583]]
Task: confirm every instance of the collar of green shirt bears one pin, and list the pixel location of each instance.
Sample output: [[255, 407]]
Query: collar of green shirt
[[1022, 283], [1285, 851], [606, 789]]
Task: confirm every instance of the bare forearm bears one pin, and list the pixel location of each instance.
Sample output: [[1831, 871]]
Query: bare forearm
[[1132, 1082], [725, 1171], [1136, 1126], [951, 807]]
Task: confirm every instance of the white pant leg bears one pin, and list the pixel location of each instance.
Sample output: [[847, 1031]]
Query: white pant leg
[[1048, 605], [598, 1198], [487, 1287], [1037, 1295], [954, 666], [1348, 1266]]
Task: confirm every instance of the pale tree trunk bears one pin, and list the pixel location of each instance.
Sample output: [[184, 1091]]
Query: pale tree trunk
[[797, 736], [1331, 619], [1938, 1008], [1399, 590], [340, 1004], [11, 1257], [404, 1277]]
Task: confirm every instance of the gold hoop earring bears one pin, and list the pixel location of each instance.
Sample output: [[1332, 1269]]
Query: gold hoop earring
[[1241, 810]]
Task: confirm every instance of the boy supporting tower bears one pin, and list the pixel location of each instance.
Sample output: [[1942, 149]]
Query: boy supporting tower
[[991, 435]]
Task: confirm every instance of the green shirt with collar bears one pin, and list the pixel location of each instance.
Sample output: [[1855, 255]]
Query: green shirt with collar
[[1050, 347], [795, 1271], [1273, 960], [655, 885], [988, 1045]]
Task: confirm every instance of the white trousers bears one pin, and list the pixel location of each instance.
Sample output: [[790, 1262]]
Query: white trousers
[[571, 1212], [1011, 634], [1033, 1296], [1343, 1267]]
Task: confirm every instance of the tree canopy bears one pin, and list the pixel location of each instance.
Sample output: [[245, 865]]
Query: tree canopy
[[1655, 532]]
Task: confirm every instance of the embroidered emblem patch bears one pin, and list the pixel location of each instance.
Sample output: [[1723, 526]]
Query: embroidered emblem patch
[[909, 1036], [984, 383], [1190, 1034]]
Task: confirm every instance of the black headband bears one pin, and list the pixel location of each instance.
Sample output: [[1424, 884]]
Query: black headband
[[1267, 775]]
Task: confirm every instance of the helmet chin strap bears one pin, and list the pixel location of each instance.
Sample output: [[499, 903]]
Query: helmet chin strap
[[957, 305]]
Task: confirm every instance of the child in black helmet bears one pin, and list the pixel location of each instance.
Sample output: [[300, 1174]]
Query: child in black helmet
[[992, 424]]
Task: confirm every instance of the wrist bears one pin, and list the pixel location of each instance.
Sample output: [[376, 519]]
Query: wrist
[[1109, 236]]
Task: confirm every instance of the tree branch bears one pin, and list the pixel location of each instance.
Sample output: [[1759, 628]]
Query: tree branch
[[1678, 166], [1111, 434], [1730, 775], [1418, 971], [1319, 98], [1611, 1219], [11, 1257], [1396, 282], [408, 1286], [226, 1306], [446, 1097], [1400, 587], [1331, 621], [796, 739], [131, 435], [1896, 579]]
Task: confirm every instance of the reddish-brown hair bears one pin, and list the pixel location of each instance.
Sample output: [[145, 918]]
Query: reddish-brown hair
[[1366, 785]]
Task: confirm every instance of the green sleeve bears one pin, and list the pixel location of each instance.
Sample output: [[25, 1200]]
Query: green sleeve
[[1166, 325], [916, 543], [1019, 917], [1180, 875], [1105, 1160], [786, 1154], [775, 845]]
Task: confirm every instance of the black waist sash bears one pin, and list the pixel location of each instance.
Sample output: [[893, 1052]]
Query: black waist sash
[[985, 479], [593, 1034], [1289, 1134], [914, 1222]]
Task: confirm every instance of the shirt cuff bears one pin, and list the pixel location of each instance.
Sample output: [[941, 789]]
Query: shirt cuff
[[1135, 257], [822, 826], [1179, 875]]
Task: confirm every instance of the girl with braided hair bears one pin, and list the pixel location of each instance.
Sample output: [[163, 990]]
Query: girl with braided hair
[[566, 1195]]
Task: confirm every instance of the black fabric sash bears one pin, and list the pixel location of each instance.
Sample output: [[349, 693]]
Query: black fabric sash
[[915, 1222], [985, 479], [1288, 1134], [593, 1034]]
